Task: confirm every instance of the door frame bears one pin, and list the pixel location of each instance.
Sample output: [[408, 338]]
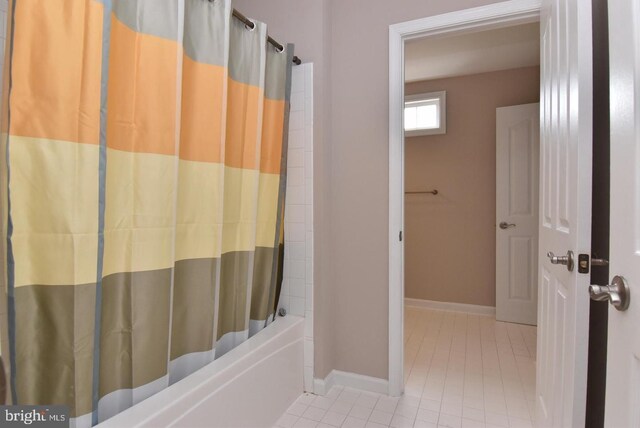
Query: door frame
[[503, 14]]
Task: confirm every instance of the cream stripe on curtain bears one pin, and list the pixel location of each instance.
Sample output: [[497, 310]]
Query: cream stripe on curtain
[[143, 176]]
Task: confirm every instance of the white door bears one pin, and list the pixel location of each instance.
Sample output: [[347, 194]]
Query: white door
[[517, 175], [623, 350], [565, 211]]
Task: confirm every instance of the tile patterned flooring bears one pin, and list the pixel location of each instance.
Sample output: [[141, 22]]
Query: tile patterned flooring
[[461, 371]]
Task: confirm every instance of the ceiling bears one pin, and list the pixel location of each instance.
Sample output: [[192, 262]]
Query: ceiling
[[471, 53]]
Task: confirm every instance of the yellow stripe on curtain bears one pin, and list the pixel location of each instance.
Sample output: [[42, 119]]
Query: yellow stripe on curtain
[[64, 216]]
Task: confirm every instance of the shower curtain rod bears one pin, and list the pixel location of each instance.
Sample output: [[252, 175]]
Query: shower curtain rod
[[249, 23]]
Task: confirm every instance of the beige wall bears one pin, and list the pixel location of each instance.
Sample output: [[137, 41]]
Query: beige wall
[[348, 41], [450, 238]]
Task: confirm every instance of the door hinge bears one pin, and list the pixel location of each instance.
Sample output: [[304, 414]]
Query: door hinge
[[400, 236]]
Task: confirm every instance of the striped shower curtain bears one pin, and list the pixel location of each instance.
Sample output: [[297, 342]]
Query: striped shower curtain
[[143, 178]]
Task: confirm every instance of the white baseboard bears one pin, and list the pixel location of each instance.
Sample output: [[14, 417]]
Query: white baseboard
[[451, 307], [322, 386], [351, 380]]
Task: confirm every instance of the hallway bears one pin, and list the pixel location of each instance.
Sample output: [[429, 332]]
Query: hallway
[[461, 371]]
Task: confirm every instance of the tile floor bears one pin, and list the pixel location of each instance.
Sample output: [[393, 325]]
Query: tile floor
[[461, 371]]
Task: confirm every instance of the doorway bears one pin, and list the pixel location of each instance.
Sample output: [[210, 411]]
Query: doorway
[[566, 93], [459, 23], [461, 184], [475, 170]]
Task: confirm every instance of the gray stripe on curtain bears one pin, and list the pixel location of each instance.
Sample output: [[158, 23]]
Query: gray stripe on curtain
[[201, 37], [154, 17]]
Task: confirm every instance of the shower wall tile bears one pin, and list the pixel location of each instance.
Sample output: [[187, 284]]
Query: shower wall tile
[[297, 305], [295, 175], [297, 250], [309, 300], [297, 101], [296, 214], [308, 325], [296, 158], [309, 245], [297, 287], [297, 232], [308, 220], [295, 196], [298, 79], [308, 346], [308, 113], [296, 120], [297, 139], [308, 379], [297, 271], [308, 164], [309, 269], [309, 191]]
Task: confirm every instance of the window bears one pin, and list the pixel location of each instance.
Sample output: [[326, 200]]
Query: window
[[425, 114]]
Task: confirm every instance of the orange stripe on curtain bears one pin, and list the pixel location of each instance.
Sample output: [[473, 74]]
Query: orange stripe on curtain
[[202, 115], [242, 125], [272, 133], [142, 92], [203, 111], [4, 125], [56, 70]]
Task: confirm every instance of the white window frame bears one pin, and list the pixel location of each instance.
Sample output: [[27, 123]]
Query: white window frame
[[441, 96]]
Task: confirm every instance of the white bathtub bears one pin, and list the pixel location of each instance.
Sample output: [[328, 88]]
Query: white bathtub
[[250, 386]]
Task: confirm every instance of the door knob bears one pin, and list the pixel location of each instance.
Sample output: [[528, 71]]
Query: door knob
[[562, 260], [504, 225], [617, 293]]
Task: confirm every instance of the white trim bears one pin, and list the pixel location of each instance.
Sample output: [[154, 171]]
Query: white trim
[[321, 386], [450, 306], [512, 12], [351, 380]]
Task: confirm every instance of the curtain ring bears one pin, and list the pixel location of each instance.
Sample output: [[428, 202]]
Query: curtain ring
[[250, 27]]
